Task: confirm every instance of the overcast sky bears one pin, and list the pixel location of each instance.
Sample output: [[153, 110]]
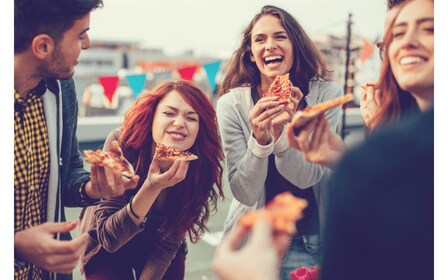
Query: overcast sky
[[214, 26]]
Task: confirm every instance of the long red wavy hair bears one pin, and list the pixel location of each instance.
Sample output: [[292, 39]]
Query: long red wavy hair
[[191, 201]]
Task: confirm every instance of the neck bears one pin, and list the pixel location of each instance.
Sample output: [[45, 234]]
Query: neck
[[425, 99], [25, 78]]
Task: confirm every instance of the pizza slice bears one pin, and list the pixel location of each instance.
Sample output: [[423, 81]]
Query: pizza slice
[[369, 84], [113, 159], [167, 155], [281, 87], [301, 118], [282, 212]]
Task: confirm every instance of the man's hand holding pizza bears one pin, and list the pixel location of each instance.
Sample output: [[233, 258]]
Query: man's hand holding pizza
[[109, 181], [317, 142]]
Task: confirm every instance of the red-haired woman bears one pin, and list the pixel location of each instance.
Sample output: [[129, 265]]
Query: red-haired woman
[[144, 230]]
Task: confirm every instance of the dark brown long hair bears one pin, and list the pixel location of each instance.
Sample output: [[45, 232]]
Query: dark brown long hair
[[307, 64], [396, 101], [190, 202]]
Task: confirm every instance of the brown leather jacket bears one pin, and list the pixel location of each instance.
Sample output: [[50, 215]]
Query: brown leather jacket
[[111, 228]]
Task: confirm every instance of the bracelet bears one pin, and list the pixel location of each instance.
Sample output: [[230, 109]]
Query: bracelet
[[143, 220], [85, 198]]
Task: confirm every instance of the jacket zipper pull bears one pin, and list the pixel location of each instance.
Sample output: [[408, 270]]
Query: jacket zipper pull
[[60, 161]]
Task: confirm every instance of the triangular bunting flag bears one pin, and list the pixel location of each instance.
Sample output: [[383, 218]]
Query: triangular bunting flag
[[366, 50], [187, 73], [137, 83], [212, 69], [109, 84]]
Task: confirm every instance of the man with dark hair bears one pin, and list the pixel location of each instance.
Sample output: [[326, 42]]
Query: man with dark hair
[[393, 3], [48, 170]]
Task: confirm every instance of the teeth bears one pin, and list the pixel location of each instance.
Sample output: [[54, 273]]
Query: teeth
[[411, 59], [270, 58], [177, 136]]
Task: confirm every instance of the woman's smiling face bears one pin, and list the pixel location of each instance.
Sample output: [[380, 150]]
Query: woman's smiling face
[[411, 52], [175, 123], [271, 48]]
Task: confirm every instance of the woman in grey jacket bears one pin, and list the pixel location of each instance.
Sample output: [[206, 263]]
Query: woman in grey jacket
[[260, 162]]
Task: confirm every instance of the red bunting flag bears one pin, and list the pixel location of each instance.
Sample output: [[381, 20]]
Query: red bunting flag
[[109, 84], [187, 73], [366, 50]]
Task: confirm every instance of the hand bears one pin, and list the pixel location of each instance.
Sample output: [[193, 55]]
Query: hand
[[156, 182], [36, 245], [258, 259], [105, 183], [261, 116], [290, 109], [317, 142], [159, 181], [371, 101]]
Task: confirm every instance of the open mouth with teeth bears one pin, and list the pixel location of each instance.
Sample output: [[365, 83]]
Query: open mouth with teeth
[[273, 59], [411, 60], [177, 135]]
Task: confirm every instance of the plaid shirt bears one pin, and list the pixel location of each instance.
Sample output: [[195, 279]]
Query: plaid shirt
[[31, 170]]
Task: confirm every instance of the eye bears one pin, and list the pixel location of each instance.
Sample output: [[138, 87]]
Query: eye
[[259, 39], [169, 113], [398, 34], [190, 118], [282, 37]]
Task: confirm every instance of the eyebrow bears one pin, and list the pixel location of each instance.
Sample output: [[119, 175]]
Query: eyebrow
[[84, 31], [177, 110], [275, 33], [419, 21]]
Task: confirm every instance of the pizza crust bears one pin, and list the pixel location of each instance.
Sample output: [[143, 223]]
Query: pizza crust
[[301, 118], [112, 159], [167, 155]]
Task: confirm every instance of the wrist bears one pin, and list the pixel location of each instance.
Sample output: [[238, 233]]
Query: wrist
[[85, 193], [141, 220]]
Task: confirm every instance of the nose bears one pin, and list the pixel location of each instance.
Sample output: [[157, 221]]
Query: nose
[[85, 42], [271, 45], [179, 121], [410, 39]]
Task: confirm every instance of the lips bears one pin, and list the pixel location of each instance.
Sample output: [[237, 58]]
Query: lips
[[273, 59], [408, 60], [177, 135]]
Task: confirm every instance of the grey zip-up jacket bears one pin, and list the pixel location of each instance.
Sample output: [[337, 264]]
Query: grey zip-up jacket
[[247, 161]]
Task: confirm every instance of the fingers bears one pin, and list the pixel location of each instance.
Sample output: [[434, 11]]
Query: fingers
[[233, 240], [65, 254], [304, 136], [316, 138], [54, 228], [70, 246], [297, 93], [281, 241], [262, 233], [132, 183], [377, 97], [290, 137]]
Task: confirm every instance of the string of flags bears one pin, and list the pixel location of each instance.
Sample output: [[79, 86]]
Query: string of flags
[[137, 82]]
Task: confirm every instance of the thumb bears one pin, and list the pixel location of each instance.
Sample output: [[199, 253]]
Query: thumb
[[132, 183], [60, 227]]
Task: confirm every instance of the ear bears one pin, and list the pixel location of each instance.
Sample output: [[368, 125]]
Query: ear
[[42, 46], [252, 58]]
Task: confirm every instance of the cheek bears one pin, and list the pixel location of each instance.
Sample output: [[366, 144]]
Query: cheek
[[194, 130]]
